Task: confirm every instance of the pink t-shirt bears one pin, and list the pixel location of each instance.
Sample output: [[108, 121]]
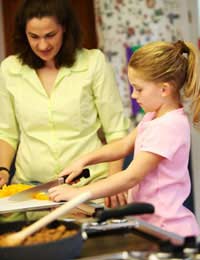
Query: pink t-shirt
[[168, 186]]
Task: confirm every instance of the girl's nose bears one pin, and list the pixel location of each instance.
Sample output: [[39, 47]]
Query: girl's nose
[[134, 94]]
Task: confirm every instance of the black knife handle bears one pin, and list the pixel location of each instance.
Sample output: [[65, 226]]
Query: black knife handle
[[135, 208], [84, 174]]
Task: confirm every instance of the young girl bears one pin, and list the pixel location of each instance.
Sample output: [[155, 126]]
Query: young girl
[[161, 74]]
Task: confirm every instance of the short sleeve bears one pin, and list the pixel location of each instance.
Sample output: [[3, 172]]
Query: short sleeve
[[165, 138]]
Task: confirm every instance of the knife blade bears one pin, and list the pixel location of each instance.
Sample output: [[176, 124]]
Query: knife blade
[[27, 194]]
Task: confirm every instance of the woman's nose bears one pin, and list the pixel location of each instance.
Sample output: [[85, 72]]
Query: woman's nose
[[43, 45]]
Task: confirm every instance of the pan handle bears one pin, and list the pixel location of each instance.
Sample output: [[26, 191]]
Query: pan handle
[[135, 208]]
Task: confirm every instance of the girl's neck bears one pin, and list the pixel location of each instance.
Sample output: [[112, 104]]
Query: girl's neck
[[165, 109]]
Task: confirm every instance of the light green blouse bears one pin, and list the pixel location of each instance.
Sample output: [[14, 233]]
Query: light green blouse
[[48, 133]]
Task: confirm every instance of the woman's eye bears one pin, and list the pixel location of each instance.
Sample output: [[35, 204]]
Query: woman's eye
[[50, 35], [34, 36]]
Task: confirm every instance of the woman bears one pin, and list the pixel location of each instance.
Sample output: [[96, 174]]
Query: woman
[[55, 97]]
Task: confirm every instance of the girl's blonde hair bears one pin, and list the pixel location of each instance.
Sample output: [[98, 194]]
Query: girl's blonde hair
[[177, 63]]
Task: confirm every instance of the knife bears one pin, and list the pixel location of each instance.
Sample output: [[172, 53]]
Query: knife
[[27, 194]]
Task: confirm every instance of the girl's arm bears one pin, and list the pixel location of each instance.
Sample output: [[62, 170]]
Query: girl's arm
[[143, 163], [109, 152]]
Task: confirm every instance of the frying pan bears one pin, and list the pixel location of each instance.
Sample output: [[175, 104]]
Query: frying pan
[[66, 248]]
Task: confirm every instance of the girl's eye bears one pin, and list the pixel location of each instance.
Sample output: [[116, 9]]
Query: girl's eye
[[138, 90]]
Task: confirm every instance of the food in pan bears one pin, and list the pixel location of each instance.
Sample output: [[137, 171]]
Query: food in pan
[[44, 235], [8, 190]]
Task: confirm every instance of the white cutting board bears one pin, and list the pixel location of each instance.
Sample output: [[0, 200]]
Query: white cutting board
[[8, 206]]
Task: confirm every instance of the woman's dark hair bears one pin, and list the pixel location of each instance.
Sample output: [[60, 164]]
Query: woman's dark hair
[[72, 38]]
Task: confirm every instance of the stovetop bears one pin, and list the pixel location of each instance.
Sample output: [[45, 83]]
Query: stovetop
[[175, 253], [131, 224], [170, 246]]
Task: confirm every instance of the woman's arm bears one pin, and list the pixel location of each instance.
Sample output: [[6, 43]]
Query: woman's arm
[[119, 199], [9, 132], [6, 157]]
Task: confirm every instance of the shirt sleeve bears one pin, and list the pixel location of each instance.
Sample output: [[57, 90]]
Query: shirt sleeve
[[9, 131], [164, 139], [108, 101]]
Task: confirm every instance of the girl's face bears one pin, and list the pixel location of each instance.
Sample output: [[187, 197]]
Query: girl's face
[[45, 37], [147, 94]]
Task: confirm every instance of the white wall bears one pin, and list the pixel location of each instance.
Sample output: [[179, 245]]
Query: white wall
[[198, 17], [194, 28], [195, 160], [195, 151], [2, 49]]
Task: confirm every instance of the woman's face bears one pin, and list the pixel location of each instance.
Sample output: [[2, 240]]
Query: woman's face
[[45, 37]]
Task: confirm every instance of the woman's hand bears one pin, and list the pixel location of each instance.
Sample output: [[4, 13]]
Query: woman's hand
[[116, 200], [4, 177], [63, 192]]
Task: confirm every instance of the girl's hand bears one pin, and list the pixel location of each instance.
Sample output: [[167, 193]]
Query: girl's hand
[[63, 192], [72, 171], [4, 177]]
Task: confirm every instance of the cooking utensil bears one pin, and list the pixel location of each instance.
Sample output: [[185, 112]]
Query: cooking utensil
[[16, 238], [66, 248], [27, 194]]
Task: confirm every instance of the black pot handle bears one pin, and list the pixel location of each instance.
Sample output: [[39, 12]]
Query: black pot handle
[[135, 208]]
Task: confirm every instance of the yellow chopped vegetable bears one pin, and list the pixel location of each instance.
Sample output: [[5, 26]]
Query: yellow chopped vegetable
[[8, 190], [41, 196]]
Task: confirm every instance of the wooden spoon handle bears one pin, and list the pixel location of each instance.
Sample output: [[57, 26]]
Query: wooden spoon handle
[[53, 215]]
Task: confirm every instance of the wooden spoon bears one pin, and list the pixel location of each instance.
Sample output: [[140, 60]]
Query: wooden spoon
[[17, 238]]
